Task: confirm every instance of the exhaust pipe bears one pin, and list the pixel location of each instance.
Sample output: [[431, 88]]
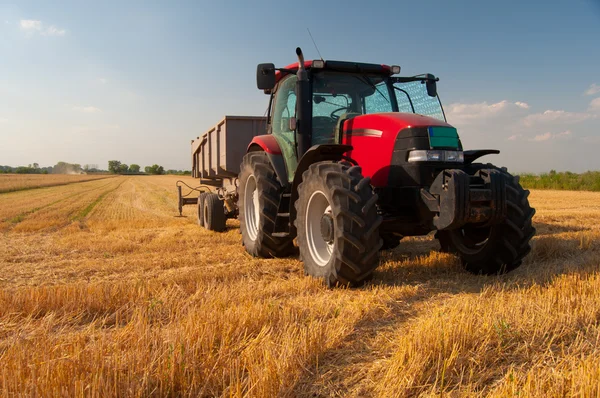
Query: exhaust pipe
[[303, 108]]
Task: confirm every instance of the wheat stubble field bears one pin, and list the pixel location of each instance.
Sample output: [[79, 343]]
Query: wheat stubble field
[[104, 292]]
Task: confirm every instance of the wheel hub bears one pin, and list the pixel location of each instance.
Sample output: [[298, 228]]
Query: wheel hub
[[327, 227]]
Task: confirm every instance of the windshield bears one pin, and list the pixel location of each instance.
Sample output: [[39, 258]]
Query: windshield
[[339, 95], [413, 98]]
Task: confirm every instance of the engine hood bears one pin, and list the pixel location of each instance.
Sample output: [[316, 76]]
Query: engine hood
[[387, 125], [373, 139]]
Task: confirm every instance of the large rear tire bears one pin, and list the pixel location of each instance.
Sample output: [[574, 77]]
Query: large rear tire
[[337, 224], [259, 195], [500, 248], [214, 213]]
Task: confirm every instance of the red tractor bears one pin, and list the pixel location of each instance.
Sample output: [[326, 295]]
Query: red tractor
[[356, 158]]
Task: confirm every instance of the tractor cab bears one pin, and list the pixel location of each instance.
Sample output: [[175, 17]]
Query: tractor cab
[[335, 92]]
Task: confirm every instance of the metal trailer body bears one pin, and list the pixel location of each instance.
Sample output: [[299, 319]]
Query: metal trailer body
[[216, 158]]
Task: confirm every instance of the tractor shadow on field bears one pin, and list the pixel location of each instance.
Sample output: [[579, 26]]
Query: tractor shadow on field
[[436, 277]]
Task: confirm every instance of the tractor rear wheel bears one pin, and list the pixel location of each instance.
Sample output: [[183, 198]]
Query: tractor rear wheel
[[214, 213], [337, 224], [201, 198], [259, 195], [499, 248]]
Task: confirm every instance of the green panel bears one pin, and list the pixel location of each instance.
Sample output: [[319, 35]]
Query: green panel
[[443, 137], [286, 143]]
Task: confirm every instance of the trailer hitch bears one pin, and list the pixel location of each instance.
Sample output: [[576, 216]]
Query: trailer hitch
[[458, 198], [186, 199]]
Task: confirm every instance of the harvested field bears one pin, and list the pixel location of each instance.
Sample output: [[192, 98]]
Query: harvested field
[[104, 291], [19, 182]]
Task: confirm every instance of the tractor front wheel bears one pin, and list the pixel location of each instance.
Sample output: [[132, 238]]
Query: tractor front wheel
[[499, 248], [337, 224]]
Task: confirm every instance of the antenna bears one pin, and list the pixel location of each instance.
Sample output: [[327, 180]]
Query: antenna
[[313, 40]]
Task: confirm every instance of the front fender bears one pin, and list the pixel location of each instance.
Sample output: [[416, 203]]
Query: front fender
[[473, 155]]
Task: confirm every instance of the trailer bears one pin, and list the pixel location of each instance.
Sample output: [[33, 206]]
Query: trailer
[[216, 158]]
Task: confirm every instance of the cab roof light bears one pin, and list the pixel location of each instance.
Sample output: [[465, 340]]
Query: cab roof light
[[395, 69], [318, 64]]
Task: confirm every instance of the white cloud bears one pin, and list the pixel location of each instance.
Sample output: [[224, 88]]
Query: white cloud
[[595, 104], [515, 137], [32, 26], [54, 31], [549, 136], [87, 109], [551, 116], [472, 113], [103, 80], [593, 89], [542, 137]]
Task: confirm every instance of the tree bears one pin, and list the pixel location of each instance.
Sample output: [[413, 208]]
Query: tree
[[67, 168], [155, 169], [123, 168], [134, 168], [114, 166]]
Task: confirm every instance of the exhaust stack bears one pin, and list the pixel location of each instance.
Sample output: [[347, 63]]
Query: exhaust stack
[[303, 108]]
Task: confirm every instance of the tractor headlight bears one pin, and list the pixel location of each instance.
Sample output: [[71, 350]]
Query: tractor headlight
[[436, 156]]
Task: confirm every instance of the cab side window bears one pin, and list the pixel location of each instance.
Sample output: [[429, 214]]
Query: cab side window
[[284, 108]]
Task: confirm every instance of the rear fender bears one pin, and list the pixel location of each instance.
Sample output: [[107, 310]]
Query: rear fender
[[317, 153], [269, 145]]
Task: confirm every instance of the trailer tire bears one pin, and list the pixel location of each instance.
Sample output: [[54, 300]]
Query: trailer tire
[[500, 248], [257, 223], [214, 213], [201, 198], [337, 224]]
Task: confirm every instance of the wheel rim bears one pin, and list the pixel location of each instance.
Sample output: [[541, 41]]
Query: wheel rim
[[251, 207], [472, 240], [320, 250], [205, 220]]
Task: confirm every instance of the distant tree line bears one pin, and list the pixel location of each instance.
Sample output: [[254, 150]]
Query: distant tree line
[[59, 168], [565, 180], [116, 167]]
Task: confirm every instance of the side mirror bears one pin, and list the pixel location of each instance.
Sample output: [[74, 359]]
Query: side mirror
[[431, 85], [265, 76]]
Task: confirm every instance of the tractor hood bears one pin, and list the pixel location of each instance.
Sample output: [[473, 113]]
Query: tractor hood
[[387, 125], [375, 139]]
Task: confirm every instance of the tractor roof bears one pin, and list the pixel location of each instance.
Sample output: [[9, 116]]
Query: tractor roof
[[342, 66]]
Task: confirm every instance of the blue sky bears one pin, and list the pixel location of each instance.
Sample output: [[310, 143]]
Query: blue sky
[[86, 82]]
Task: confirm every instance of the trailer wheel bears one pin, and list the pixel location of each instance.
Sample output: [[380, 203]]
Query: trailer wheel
[[201, 198], [259, 194], [338, 224], [500, 248], [214, 213]]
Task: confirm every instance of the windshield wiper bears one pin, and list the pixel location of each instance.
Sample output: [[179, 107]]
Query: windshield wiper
[[367, 79], [407, 96]]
